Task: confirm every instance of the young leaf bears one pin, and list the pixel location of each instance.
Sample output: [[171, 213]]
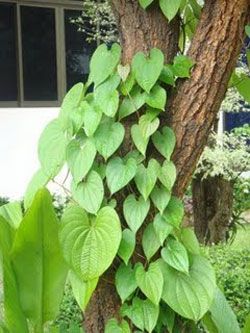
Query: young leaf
[[89, 193], [167, 75], [92, 115], [147, 69], [12, 213], [80, 157], [127, 245], [197, 288], [139, 140], [146, 178], [148, 125], [150, 282], [145, 3], [157, 98], [182, 65], [150, 241], [167, 174], [175, 255], [126, 86], [90, 245], [103, 63], [108, 137], [132, 103], [119, 174], [160, 197], [37, 261], [125, 281], [162, 228], [135, 211], [174, 212], [170, 8], [123, 72], [164, 142]]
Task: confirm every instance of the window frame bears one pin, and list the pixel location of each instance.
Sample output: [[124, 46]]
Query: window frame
[[59, 6]]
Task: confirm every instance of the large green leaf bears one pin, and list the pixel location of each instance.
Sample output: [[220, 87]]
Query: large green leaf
[[146, 178], [150, 241], [89, 193], [174, 212], [147, 69], [175, 255], [120, 173], [160, 197], [142, 313], [13, 314], [104, 62], [127, 245], [189, 295], [112, 326], [145, 3], [162, 228], [37, 261], [189, 240], [170, 8], [108, 137], [167, 174], [82, 290], [139, 140], [125, 281], [80, 157], [151, 281], [133, 102], [52, 148], [164, 142], [12, 212], [157, 97], [135, 211], [90, 244], [92, 115]]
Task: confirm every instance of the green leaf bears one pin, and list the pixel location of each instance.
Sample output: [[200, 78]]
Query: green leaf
[[38, 181], [112, 326], [174, 212], [82, 290], [108, 137], [89, 193], [170, 8], [145, 3], [164, 142], [52, 148], [12, 213], [150, 241], [157, 98], [104, 62], [120, 173], [222, 314], [167, 174], [189, 295], [189, 240], [126, 87], [14, 316], [182, 66], [123, 72], [146, 178], [167, 75], [80, 156], [247, 30], [127, 245], [160, 197], [246, 327], [132, 103], [150, 282], [125, 281], [148, 125], [90, 244], [37, 261], [92, 116], [135, 211], [243, 87], [143, 314], [139, 140], [147, 69], [175, 255], [162, 228]]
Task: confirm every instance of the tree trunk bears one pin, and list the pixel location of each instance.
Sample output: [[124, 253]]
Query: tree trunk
[[212, 208], [194, 103]]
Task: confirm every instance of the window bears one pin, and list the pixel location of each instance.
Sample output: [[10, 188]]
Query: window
[[42, 54]]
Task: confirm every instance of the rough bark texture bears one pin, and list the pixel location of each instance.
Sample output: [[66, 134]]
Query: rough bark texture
[[212, 208]]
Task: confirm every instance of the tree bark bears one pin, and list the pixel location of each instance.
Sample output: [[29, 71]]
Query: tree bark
[[212, 208]]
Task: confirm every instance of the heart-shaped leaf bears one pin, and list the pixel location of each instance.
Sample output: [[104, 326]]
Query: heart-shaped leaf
[[160, 197], [167, 174], [127, 245], [148, 125], [135, 211], [146, 178], [90, 245], [108, 137], [132, 103], [189, 295], [174, 212], [176, 255], [170, 8], [89, 193], [182, 66], [164, 142], [157, 98], [150, 282], [103, 63], [147, 69], [80, 156], [145, 3], [92, 115], [125, 281], [150, 241], [162, 228], [139, 140], [119, 174]]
